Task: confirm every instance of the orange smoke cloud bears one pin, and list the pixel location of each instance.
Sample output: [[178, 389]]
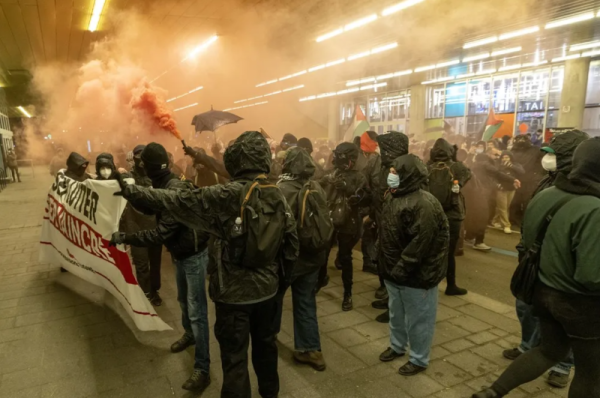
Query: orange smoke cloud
[[154, 106]]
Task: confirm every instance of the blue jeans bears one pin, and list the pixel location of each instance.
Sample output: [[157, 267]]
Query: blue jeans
[[531, 337], [191, 293], [412, 320]]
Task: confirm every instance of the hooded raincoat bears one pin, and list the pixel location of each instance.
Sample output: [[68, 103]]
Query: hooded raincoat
[[74, 167]]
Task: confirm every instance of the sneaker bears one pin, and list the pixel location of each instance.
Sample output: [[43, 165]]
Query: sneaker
[[410, 369], [312, 358], [482, 247], [197, 382], [455, 291], [558, 380], [507, 230], [155, 299], [347, 303], [389, 355], [383, 318], [487, 393], [496, 225], [184, 342], [512, 354], [380, 304], [381, 293]]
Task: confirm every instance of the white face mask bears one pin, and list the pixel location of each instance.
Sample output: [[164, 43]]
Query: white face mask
[[479, 150], [549, 162], [105, 173]]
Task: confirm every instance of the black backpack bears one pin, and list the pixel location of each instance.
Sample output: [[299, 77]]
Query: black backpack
[[441, 180], [263, 215], [315, 227]]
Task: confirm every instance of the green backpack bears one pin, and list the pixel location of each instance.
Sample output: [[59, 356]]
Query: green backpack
[[315, 227]]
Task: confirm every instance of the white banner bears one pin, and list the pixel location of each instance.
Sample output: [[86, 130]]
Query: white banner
[[79, 220]]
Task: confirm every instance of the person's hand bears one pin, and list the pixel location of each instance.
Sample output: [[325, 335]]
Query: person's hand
[[122, 170], [517, 184], [122, 183], [190, 151], [339, 184], [117, 238]]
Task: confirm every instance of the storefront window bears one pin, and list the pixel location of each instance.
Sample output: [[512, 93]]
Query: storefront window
[[479, 96], [435, 102], [533, 89], [376, 114], [456, 96], [556, 83], [476, 123], [593, 85], [346, 113], [505, 93]]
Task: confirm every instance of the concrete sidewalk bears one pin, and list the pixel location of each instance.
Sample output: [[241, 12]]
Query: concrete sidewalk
[[59, 338]]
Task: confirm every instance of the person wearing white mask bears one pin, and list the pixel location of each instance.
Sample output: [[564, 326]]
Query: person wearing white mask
[[105, 167]]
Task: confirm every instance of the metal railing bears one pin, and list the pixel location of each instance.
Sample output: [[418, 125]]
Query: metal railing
[[3, 179]]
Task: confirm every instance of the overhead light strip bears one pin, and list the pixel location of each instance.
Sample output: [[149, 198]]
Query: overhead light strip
[[481, 42], [356, 82], [186, 107], [506, 51], [571, 20], [23, 111], [566, 58], [476, 57], [188, 93], [518, 33], [399, 7], [584, 46], [270, 94], [246, 106], [96, 14], [342, 92]]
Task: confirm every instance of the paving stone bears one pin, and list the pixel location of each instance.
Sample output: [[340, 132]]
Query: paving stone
[[329, 307], [445, 313], [447, 374], [451, 301], [499, 332], [492, 352], [445, 332], [458, 345], [417, 386], [438, 352], [373, 330], [482, 337], [347, 337], [369, 352], [341, 320], [469, 323], [492, 318], [338, 359], [471, 363], [459, 391]]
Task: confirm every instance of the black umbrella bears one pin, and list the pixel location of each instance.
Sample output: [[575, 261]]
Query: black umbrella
[[212, 120]]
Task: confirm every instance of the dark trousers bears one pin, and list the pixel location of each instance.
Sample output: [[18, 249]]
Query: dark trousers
[[346, 243], [454, 237], [15, 174], [155, 254], [368, 246], [147, 262], [234, 326]]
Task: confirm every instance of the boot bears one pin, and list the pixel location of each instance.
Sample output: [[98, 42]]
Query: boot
[[312, 358], [384, 318], [184, 342], [381, 293], [197, 382], [380, 304], [347, 303], [453, 290]]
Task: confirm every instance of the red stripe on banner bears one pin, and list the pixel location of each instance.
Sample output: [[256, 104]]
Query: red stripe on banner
[[87, 239], [105, 277]]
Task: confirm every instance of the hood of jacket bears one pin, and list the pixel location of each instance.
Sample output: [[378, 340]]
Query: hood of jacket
[[345, 153], [249, 155], [509, 154], [442, 151], [75, 161], [298, 163], [584, 178], [522, 143], [564, 146], [105, 160], [412, 172], [391, 146]]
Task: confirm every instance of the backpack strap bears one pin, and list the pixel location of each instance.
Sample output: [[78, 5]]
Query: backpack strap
[[249, 193], [304, 200], [441, 166], [548, 219]]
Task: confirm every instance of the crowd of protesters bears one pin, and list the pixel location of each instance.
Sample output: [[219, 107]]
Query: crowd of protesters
[[260, 217]]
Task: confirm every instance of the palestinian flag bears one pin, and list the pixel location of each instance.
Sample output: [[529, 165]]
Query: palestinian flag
[[491, 126], [358, 126]]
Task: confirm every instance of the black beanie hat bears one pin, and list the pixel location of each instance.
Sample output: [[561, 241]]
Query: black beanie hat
[[138, 149], [306, 144], [155, 157], [289, 139]]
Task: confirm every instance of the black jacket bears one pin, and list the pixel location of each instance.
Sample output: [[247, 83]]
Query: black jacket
[[74, 163], [443, 152], [180, 240], [298, 169], [355, 191], [530, 157], [489, 174], [514, 170], [214, 210], [413, 231]]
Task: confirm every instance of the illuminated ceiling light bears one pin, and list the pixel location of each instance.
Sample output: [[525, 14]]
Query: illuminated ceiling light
[[23, 111], [481, 42], [517, 33], [448, 63], [591, 53], [367, 80], [360, 55], [237, 102], [285, 77], [293, 88], [465, 75], [272, 81], [96, 14], [316, 68], [571, 20], [379, 85], [261, 84], [360, 22], [353, 83], [530, 64], [403, 73], [384, 48], [312, 97], [330, 35], [352, 90], [183, 95], [185, 107], [444, 79], [424, 68], [510, 67], [400, 6], [385, 77], [476, 57], [324, 95], [332, 63], [302, 72], [202, 47], [585, 46], [568, 57], [429, 82], [486, 72], [507, 51], [273, 93], [253, 98]]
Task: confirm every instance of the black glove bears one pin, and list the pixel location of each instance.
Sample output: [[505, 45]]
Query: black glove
[[117, 238], [122, 183], [190, 151], [339, 184]]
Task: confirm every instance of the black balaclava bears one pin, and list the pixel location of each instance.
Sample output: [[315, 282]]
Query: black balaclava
[[305, 144], [345, 156], [137, 151], [156, 163]]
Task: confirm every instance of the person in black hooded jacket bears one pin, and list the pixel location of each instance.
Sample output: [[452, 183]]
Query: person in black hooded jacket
[[188, 249], [413, 257], [346, 190], [105, 167], [442, 160], [244, 297], [506, 190], [298, 169], [77, 167], [530, 157]]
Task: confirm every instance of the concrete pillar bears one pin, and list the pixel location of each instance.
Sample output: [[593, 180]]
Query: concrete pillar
[[333, 120], [417, 110], [572, 99]]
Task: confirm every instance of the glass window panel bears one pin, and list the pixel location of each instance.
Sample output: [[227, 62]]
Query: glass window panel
[[533, 88], [530, 122], [476, 123], [556, 84], [435, 101], [591, 121], [505, 93], [552, 118], [375, 115], [479, 96], [456, 96], [593, 86]]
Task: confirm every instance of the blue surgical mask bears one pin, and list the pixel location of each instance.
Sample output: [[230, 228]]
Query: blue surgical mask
[[393, 181]]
